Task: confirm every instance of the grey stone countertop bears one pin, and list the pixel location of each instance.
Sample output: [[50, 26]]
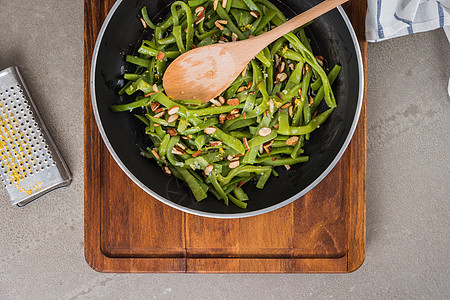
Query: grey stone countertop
[[408, 179]]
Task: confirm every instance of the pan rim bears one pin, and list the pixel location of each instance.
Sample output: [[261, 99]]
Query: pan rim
[[221, 215]]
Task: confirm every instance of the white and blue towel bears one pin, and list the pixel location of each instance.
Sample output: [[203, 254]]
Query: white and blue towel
[[386, 19]]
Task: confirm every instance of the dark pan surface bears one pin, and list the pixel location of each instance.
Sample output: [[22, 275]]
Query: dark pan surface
[[123, 134]]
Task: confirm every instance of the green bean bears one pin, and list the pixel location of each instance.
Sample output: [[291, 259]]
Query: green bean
[[285, 161], [315, 123]]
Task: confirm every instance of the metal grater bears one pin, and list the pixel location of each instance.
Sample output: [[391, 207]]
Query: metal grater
[[30, 163]]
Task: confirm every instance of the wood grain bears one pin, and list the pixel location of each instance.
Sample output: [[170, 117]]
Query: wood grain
[[126, 230]]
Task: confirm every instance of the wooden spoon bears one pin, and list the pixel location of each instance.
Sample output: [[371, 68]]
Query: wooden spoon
[[204, 73]]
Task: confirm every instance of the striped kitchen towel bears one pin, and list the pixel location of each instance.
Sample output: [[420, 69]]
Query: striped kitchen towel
[[386, 19]]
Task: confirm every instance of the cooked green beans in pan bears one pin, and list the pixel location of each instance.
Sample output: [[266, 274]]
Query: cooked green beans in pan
[[260, 122]]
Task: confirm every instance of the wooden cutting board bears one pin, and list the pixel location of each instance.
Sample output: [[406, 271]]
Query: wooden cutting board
[[126, 230]]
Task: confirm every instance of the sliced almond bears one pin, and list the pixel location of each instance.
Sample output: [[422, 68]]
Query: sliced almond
[[209, 169], [222, 118], [155, 88], [288, 167], [155, 153], [281, 67], [197, 153], [222, 38], [269, 143], [154, 105], [232, 116], [173, 110], [267, 149], [230, 157], [144, 24], [311, 101], [273, 158], [319, 60], [172, 131], [286, 105], [277, 60], [299, 91], [159, 115], [224, 22], [239, 155], [218, 25], [244, 115], [307, 68], [177, 151], [199, 19], [261, 149], [271, 105], [234, 164], [244, 71], [215, 143], [254, 14], [291, 111], [166, 170], [160, 56], [159, 110], [210, 130], [187, 137], [222, 100], [172, 118], [149, 94], [303, 71], [234, 38], [181, 146], [199, 10], [221, 42], [233, 102], [234, 111], [275, 126], [156, 125], [215, 102], [241, 183], [292, 140], [216, 2], [224, 3], [244, 139], [292, 67], [281, 77], [265, 131], [241, 89]]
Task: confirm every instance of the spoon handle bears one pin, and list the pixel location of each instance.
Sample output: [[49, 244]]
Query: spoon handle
[[298, 21]]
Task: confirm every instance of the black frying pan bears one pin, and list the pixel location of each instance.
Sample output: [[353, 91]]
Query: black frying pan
[[332, 37]]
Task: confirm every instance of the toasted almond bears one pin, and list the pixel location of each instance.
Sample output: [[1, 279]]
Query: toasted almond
[[281, 77], [241, 89], [172, 131], [209, 169], [221, 42], [291, 111], [210, 130], [239, 155], [160, 56], [275, 126], [224, 22], [154, 105], [234, 164], [215, 102], [254, 14], [319, 60], [215, 143], [244, 115], [307, 68], [230, 157], [173, 110], [286, 105], [224, 3], [234, 38], [233, 102], [187, 137], [197, 153], [177, 151], [155, 88], [181, 146], [314, 115], [303, 71], [222, 118], [261, 149], [267, 150], [249, 84], [156, 125], [251, 93], [159, 110], [216, 2], [166, 170], [159, 115], [218, 25], [144, 24], [234, 111], [244, 71], [311, 101], [273, 158], [244, 140], [232, 116], [269, 143], [199, 19], [222, 100], [288, 167], [199, 10], [155, 153], [172, 118], [271, 105], [299, 91], [277, 60], [149, 94], [281, 67], [292, 67], [265, 131], [222, 38], [292, 140], [241, 183]]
